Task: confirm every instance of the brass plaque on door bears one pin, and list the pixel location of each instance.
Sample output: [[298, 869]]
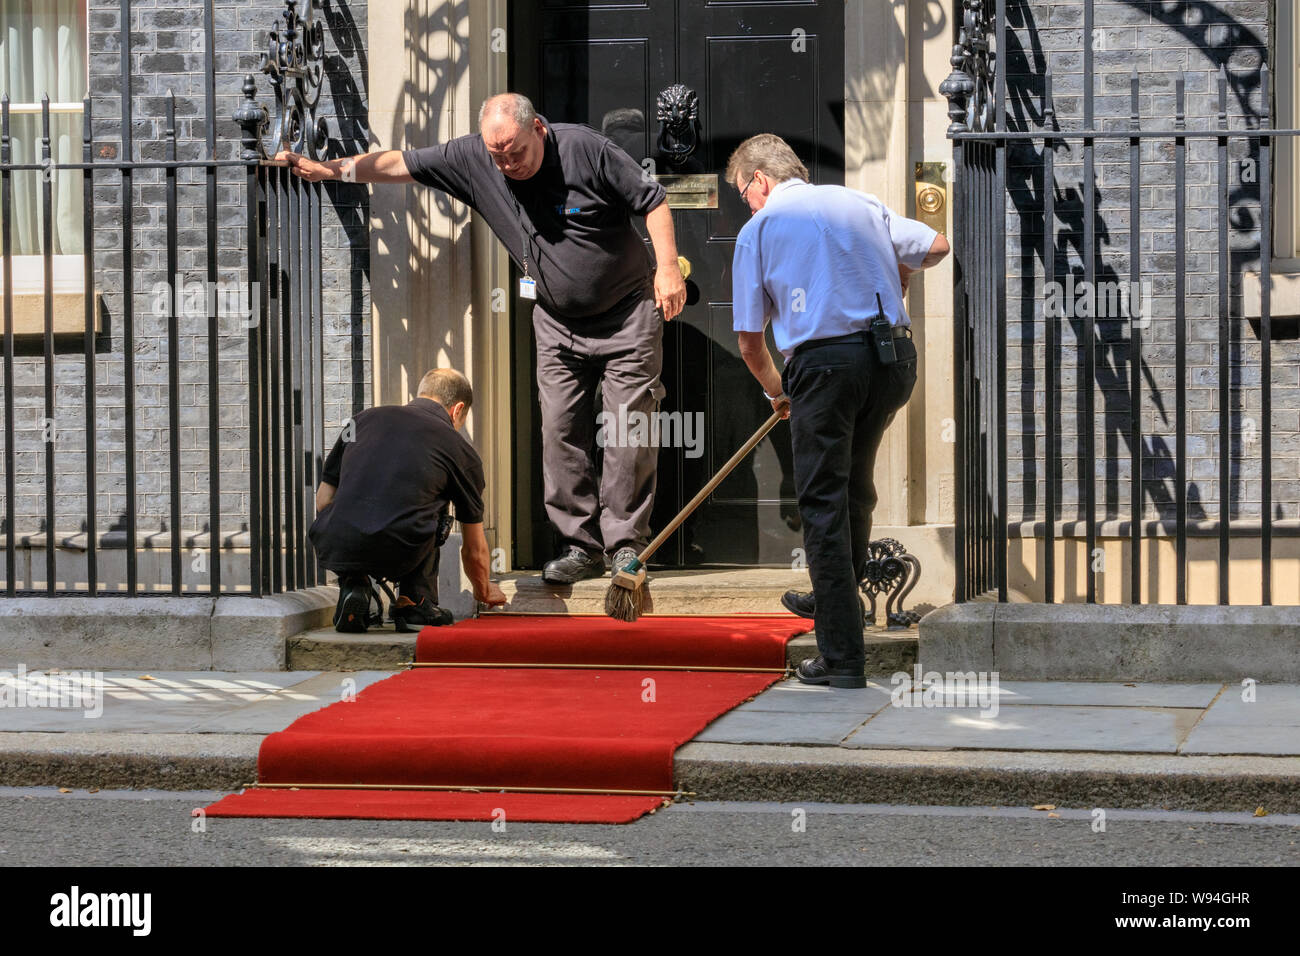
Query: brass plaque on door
[[691, 190]]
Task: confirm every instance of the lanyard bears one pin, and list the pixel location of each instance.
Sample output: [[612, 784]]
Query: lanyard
[[523, 230]]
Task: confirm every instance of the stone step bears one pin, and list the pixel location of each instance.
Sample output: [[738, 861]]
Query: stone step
[[753, 590], [888, 651], [325, 649]]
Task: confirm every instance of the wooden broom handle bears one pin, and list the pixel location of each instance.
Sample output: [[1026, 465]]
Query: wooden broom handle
[[708, 489]]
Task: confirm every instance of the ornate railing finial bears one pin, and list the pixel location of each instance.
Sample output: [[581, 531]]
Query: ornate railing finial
[[969, 87], [253, 120], [295, 62]]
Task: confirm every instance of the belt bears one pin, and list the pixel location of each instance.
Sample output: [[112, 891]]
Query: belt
[[864, 337]]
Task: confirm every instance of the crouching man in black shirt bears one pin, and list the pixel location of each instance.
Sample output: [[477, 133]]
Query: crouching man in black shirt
[[382, 505]]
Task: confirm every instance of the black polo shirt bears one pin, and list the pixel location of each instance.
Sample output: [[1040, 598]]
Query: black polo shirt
[[404, 466], [572, 217]]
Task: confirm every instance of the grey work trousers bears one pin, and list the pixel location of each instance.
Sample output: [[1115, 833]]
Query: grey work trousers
[[619, 356]]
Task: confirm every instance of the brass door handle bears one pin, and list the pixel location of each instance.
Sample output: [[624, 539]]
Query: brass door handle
[[685, 265]]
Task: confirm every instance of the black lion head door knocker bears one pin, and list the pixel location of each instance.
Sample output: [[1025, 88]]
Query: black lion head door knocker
[[678, 112]]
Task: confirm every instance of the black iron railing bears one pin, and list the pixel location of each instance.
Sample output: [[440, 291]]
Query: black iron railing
[[983, 140], [278, 297]]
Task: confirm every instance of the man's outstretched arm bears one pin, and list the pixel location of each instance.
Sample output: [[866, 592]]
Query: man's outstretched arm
[[385, 166]]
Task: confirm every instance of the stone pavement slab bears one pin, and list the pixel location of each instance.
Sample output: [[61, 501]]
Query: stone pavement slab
[[1028, 727], [782, 727], [1106, 694], [1270, 724], [792, 697], [279, 711], [175, 702]]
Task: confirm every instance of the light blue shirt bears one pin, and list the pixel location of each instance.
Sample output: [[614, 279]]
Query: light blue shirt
[[813, 259]]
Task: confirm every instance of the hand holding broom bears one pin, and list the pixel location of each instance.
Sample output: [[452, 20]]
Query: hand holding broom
[[624, 598]]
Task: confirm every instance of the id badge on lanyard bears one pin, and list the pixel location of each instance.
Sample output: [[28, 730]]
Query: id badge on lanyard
[[527, 284]]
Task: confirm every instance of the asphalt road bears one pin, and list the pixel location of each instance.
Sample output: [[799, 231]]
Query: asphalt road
[[43, 827]]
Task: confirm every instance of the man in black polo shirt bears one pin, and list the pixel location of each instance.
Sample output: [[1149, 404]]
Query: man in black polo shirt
[[382, 505], [560, 197]]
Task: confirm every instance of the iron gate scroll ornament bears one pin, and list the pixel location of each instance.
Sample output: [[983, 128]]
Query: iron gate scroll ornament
[[891, 568], [295, 62], [678, 110], [969, 88]]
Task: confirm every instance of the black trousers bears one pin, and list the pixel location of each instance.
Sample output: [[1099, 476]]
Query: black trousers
[[416, 583], [841, 401]]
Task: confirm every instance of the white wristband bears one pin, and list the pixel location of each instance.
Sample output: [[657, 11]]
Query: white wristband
[[773, 398]]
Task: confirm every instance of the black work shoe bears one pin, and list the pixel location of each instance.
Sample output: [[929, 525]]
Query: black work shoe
[[354, 612], [623, 557], [804, 603], [800, 602], [408, 616], [574, 566], [817, 671]]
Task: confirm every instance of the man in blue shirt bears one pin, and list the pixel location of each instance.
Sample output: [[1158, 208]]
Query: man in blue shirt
[[827, 266]]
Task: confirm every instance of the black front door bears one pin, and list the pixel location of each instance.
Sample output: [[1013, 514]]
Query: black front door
[[753, 68]]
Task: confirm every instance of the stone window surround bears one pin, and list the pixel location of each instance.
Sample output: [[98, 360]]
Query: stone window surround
[[69, 270]]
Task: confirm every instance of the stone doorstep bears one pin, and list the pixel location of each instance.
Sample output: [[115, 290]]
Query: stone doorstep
[[324, 649], [747, 590], [703, 591], [755, 590], [715, 772]]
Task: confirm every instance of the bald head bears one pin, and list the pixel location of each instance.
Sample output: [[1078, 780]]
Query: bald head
[[451, 390], [513, 106], [513, 134]]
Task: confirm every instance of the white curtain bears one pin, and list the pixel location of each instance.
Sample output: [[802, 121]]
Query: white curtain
[[43, 51]]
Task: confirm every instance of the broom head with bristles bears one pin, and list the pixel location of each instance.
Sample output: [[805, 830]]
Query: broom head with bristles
[[624, 597]]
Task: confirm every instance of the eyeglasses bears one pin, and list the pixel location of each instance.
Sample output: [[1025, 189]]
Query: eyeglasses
[[747, 185]]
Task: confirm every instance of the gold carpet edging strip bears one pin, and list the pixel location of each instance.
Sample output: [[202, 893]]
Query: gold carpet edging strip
[[465, 789], [606, 667], [497, 613]]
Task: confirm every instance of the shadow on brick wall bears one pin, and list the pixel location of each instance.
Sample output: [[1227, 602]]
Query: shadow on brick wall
[[1196, 28]]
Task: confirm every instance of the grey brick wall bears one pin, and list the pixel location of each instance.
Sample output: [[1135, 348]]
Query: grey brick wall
[[167, 51], [1158, 40]]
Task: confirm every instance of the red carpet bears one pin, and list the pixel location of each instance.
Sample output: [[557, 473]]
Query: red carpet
[[549, 729], [742, 640]]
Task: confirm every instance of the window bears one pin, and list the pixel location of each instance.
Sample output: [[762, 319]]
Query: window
[[43, 52]]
